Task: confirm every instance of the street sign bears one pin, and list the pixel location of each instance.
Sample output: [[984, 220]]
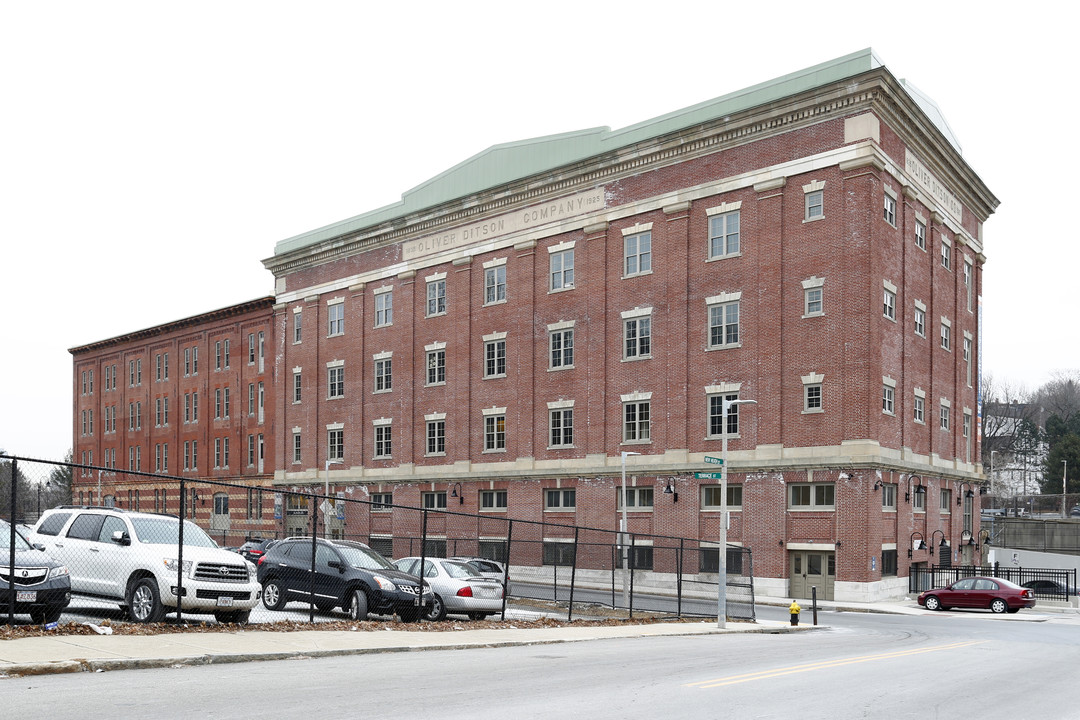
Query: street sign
[[709, 476], [714, 460], [327, 507]]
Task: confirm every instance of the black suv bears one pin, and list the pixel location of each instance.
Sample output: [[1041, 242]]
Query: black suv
[[349, 575], [42, 585]]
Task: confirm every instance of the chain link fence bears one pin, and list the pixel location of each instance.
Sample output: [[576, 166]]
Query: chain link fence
[[128, 555]]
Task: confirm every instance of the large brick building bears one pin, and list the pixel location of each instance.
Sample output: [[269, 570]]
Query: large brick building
[[516, 324]]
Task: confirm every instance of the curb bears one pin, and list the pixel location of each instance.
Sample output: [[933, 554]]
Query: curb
[[57, 667]]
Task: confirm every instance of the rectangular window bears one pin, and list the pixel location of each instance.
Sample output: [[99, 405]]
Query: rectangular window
[[920, 322], [492, 500], [382, 502], [384, 309], [335, 382], [812, 301], [710, 497], [436, 437], [335, 444], [433, 500], [946, 254], [812, 496], [562, 269], [251, 451], [920, 410], [888, 563], [194, 361], [436, 367], [560, 499], [225, 451], [945, 501], [194, 407], [298, 326], [495, 358], [227, 354], [494, 433], [920, 235], [815, 204], [561, 424], [226, 403], [336, 319], [889, 304], [436, 297], [724, 235], [495, 284], [724, 325], [251, 348], [888, 497], [384, 375], [562, 348], [890, 209], [946, 337], [637, 254], [716, 415], [945, 417], [637, 498], [968, 347], [812, 396], [969, 284], [383, 444], [888, 394], [298, 385], [559, 553], [296, 445], [637, 338], [217, 355], [636, 422]]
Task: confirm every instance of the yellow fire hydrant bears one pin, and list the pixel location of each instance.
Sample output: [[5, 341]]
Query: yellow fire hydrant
[[794, 610]]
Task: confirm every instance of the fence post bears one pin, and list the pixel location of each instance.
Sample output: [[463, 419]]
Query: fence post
[[423, 558], [11, 543], [314, 539], [573, 579], [678, 577], [632, 562], [506, 565], [179, 556]]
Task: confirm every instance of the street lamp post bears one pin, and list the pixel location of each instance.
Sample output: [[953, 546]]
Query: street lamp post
[[622, 534], [721, 589], [1064, 475], [992, 454], [326, 493]]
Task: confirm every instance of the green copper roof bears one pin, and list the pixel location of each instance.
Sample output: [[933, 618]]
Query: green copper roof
[[509, 161]]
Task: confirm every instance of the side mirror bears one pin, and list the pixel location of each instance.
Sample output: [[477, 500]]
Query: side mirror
[[337, 565], [120, 537]]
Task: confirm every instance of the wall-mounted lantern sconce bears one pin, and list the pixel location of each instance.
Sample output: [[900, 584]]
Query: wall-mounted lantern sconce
[[781, 543], [912, 545], [969, 493], [983, 489], [839, 544], [454, 493], [669, 489], [919, 488], [943, 546], [878, 484]]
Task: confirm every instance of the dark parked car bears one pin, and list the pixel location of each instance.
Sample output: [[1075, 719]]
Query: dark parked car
[[254, 548], [979, 592], [42, 585], [1049, 588], [350, 576]]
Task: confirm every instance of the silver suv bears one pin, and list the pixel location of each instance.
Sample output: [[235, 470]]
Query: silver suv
[[132, 558]]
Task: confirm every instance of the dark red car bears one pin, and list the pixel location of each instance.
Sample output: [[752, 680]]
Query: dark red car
[[994, 594]]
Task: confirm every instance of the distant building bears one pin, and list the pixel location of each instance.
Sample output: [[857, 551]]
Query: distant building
[[515, 324]]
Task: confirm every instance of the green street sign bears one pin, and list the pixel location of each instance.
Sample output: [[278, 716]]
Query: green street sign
[[714, 460], [709, 476]]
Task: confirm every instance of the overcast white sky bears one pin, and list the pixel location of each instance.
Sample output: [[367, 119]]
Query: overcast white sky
[[153, 153]]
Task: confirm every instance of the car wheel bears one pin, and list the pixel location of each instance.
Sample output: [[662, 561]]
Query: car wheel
[[998, 605], [273, 595], [410, 615], [477, 615], [46, 615], [358, 605], [932, 603], [144, 605], [240, 617], [437, 611]]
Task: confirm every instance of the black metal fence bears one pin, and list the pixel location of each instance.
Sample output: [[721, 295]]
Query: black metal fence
[[557, 568], [1048, 583]]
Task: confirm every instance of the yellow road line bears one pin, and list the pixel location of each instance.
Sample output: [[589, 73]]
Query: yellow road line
[[824, 665]]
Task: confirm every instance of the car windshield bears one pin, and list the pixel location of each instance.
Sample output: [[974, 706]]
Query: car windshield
[[5, 539], [166, 531], [366, 559], [459, 570]]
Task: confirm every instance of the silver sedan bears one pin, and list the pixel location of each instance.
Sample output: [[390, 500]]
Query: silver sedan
[[458, 588]]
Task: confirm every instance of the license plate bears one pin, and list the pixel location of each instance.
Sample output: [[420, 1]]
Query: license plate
[[24, 596], [224, 601], [489, 592]]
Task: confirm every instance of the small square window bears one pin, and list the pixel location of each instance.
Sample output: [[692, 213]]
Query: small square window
[[813, 301], [560, 499], [812, 395]]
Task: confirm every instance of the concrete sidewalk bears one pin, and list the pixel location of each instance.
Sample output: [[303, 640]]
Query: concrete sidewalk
[[93, 653]]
